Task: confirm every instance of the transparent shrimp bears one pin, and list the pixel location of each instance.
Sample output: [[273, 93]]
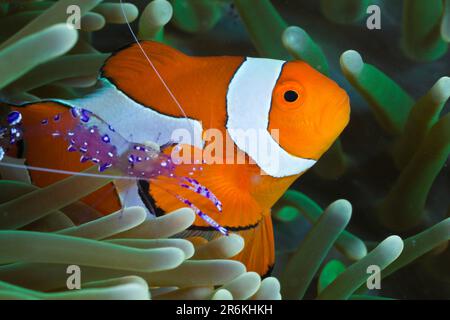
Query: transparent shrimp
[[97, 142]]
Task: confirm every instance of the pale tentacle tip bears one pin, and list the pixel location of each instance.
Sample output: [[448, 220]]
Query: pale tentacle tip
[[352, 62], [294, 37], [441, 90]]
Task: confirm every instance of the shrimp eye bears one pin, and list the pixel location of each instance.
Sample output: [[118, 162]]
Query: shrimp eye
[[290, 96]]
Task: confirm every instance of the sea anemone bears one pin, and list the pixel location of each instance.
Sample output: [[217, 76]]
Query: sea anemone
[[125, 255]]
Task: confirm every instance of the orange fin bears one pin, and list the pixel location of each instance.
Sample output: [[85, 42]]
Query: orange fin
[[229, 183], [259, 252], [132, 73], [199, 84]]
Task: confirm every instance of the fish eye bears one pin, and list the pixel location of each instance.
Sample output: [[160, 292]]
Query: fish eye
[[290, 96]]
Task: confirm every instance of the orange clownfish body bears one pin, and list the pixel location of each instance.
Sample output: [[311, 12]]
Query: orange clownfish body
[[230, 95]]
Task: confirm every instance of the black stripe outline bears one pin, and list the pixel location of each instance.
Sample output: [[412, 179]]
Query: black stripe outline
[[271, 98]]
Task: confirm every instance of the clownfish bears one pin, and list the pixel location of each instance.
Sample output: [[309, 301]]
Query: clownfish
[[307, 110]]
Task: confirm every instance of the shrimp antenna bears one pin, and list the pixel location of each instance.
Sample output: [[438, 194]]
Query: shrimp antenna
[[151, 63], [66, 172]]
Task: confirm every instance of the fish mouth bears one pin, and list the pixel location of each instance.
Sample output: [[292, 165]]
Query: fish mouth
[[333, 113], [344, 103], [342, 109]]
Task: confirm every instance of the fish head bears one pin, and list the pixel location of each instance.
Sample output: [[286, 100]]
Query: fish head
[[309, 109]]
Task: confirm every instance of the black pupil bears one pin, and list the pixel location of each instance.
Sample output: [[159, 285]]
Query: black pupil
[[290, 96]]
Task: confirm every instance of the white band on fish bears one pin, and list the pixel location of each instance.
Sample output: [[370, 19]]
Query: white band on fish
[[134, 121], [249, 100]]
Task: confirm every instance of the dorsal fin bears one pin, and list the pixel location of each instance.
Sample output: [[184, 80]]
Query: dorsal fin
[[131, 71], [131, 60], [198, 83]]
